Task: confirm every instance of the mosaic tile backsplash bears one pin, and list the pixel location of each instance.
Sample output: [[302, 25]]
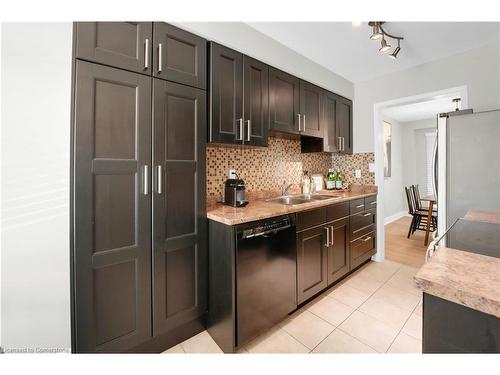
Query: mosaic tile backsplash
[[266, 168]]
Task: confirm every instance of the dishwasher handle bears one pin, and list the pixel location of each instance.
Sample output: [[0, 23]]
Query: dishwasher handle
[[268, 233]]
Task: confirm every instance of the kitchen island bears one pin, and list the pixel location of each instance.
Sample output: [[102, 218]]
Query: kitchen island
[[461, 285]]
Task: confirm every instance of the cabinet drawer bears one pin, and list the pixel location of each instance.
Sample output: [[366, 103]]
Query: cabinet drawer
[[357, 205], [311, 218], [363, 222], [371, 202], [337, 211], [362, 249]]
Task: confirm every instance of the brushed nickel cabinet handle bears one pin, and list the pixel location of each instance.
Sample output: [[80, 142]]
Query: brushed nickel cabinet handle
[[360, 205], [304, 123], [331, 235], [367, 214], [327, 236], [145, 180], [298, 115], [366, 239], [146, 54], [160, 57], [240, 125], [159, 179], [248, 130], [374, 202]]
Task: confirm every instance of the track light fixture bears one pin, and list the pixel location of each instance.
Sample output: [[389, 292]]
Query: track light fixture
[[379, 33]]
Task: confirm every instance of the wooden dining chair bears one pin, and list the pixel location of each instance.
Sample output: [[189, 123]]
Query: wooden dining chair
[[419, 207], [419, 217], [418, 201]]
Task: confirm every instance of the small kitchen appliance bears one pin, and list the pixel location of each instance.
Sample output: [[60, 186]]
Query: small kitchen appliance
[[234, 192]]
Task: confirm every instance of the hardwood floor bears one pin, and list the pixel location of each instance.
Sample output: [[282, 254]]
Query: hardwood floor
[[398, 248]]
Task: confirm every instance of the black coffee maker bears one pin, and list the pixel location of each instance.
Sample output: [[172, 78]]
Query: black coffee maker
[[234, 192]]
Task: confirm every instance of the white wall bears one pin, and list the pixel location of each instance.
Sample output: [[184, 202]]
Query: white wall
[[479, 69], [36, 92], [393, 185], [243, 38], [414, 156]]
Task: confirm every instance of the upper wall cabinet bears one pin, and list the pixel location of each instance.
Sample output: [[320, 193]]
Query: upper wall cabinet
[[239, 98], [283, 101], [179, 56], [295, 105], [343, 121], [255, 101], [125, 45], [331, 141], [310, 110]]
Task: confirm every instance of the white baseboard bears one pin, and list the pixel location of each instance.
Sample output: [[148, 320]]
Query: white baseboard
[[396, 216]]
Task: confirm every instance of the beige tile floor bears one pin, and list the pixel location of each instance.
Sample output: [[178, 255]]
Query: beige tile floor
[[376, 310]]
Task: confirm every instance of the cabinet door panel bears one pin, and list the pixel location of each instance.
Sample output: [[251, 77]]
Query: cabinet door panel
[[255, 101], [283, 101], [344, 123], [330, 134], [338, 251], [310, 109], [118, 44], [183, 56], [311, 263], [179, 249], [226, 100], [112, 213]]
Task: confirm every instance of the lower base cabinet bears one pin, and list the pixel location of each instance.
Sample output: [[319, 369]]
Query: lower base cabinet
[[312, 250], [338, 251], [333, 241]]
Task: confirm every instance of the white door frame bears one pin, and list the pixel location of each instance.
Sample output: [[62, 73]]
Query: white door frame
[[460, 91]]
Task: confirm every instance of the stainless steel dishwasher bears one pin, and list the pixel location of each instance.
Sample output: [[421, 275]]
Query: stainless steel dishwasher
[[266, 275]]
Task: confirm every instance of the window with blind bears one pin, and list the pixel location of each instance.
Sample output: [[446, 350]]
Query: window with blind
[[430, 140]]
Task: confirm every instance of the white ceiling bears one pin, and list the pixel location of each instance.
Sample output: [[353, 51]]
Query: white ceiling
[[421, 110], [349, 52]]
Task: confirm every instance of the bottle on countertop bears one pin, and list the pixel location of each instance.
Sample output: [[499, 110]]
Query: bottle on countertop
[[306, 183], [330, 180], [338, 180]]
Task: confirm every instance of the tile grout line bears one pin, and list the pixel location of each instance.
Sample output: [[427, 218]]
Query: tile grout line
[[356, 309], [401, 329]]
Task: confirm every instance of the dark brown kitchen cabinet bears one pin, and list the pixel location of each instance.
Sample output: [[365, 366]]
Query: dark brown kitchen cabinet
[[179, 56], [312, 255], [310, 109], [226, 91], [255, 101], [331, 141], [343, 122], [283, 101], [112, 208], [239, 102], [338, 250], [125, 45], [362, 249], [179, 226]]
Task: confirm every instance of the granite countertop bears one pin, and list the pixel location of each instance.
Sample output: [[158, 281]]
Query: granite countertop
[[468, 274], [262, 209], [469, 279]]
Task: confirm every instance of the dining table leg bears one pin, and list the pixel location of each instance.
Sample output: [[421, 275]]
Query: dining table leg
[[429, 221]]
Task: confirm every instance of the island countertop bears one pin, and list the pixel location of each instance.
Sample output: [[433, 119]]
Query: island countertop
[[258, 209], [468, 275]]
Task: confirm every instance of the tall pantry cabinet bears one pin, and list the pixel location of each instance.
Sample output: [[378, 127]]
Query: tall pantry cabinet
[[139, 231]]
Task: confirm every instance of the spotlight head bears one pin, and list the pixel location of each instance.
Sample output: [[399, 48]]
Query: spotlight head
[[384, 47], [394, 54]]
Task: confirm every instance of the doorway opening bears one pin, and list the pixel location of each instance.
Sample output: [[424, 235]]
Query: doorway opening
[[405, 130]]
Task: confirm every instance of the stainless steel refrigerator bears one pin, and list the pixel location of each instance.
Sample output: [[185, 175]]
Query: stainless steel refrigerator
[[466, 164]]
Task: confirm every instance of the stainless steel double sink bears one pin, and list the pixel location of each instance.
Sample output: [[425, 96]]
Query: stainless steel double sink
[[302, 198]]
